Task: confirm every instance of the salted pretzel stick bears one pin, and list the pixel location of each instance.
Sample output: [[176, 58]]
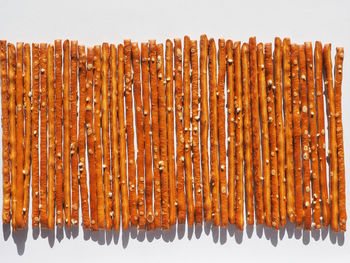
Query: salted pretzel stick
[[6, 180], [170, 130], [140, 136], [254, 93], [35, 136], [114, 138], [249, 185], [264, 134], [214, 166], [313, 136], [204, 125], [288, 121], [180, 159], [338, 72], [81, 138], [321, 133], [148, 136], [331, 110], [272, 135], [305, 138], [277, 57], [105, 138]]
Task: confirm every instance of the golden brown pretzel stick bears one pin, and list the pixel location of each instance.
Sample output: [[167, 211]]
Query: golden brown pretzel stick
[[305, 138], [6, 181], [122, 146], [114, 138], [277, 57], [140, 135], [214, 166], [204, 125], [264, 134], [331, 110], [105, 138], [148, 136], [195, 135], [338, 72], [35, 136], [81, 138], [249, 185], [272, 135], [254, 92], [321, 133], [180, 159], [313, 135], [90, 139], [288, 121], [58, 131], [170, 130]]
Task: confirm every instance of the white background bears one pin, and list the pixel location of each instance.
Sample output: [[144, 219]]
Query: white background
[[92, 22]]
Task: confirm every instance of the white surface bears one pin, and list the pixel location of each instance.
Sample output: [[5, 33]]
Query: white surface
[[93, 22]]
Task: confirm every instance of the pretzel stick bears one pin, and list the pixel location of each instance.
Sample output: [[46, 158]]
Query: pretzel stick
[[6, 180], [122, 145], [247, 135], [147, 134], [305, 139], [321, 133], [254, 92], [214, 133], [339, 135], [140, 136], [331, 110], [204, 125], [280, 131], [288, 121], [35, 136], [170, 130], [180, 191]]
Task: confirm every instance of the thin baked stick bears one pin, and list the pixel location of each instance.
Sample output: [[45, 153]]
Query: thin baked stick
[[277, 58], [148, 136], [170, 130], [6, 180], [264, 134], [305, 139], [90, 133], [180, 159], [140, 135], [254, 92], [332, 134], [249, 185], [114, 138], [204, 125], [35, 136], [105, 137], [198, 208], [288, 122], [313, 136], [321, 133], [338, 72], [58, 135], [81, 138], [122, 145], [214, 166]]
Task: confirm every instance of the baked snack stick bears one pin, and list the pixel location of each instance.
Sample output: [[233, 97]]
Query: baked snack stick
[[254, 92], [332, 134], [247, 137]]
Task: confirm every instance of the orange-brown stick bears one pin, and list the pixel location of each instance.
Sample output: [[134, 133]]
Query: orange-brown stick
[[254, 92], [180, 187], [249, 185], [332, 150], [214, 166]]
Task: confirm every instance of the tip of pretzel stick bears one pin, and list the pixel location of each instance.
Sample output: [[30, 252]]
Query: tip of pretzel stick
[[204, 36], [339, 49], [75, 42], [229, 42], [277, 39], [127, 41], [58, 41], [152, 41], [237, 44], [19, 44], [134, 44]]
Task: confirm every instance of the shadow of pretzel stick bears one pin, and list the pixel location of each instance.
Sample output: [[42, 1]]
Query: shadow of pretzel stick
[[20, 238], [49, 234], [6, 230]]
